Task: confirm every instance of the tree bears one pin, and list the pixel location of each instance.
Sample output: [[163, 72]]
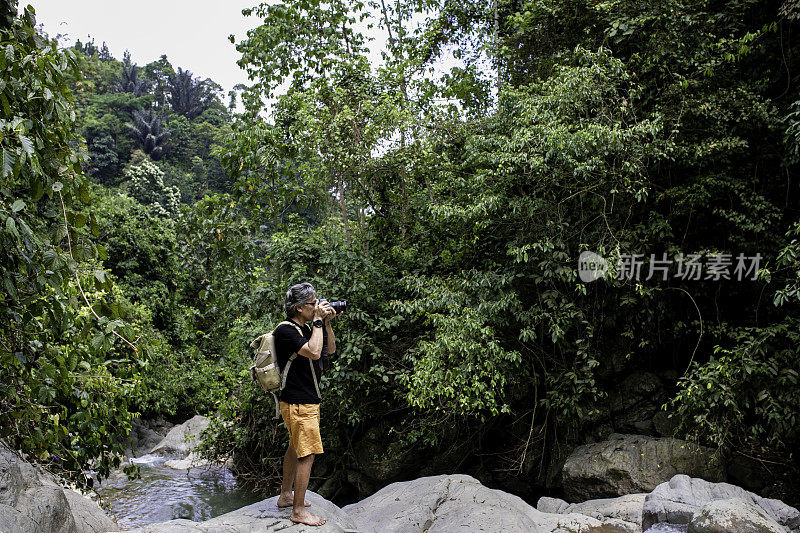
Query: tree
[[105, 53], [103, 157], [159, 73], [88, 48], [129, 81], [188, 96], [305, 40], [618, 127], [65, 387], [148, 131], [146, 184]]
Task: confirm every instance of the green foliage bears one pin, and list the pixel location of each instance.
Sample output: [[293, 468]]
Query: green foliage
[[188, 96], [104, 158], [159, 73], [183, 382], [448, 208], [145, 182], [746, 397], [129, 81], [140, 253], [305, 41], [147, 129], [67, 380], [789, 259], [104, 120], [488, 315], [616, 127], [463, 368], [94, 75], [122, 107]]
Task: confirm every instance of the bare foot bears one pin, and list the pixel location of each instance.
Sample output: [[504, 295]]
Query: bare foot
[[287, 500], [304, 517]]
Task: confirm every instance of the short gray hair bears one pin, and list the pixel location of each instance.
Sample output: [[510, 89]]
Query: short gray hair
[[297, 295]]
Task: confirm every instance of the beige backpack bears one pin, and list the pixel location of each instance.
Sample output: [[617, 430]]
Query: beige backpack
[[265, 370]]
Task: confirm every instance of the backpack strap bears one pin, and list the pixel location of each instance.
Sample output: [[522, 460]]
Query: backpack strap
[[292, 357], [314, 377], [277, 406]]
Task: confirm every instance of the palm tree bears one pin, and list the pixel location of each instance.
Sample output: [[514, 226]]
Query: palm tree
[[188, 96], [128, 81], [148, 131]]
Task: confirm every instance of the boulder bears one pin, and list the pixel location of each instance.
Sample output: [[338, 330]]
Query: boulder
[[182, 438], [29, 500], [32, 500], [626, 464], [747, 473], [159, 425], [635, 402], [460, 503], [627, 509], [264, 516], [383, 460], [142, 439], [681, 501], [89, 516], [733, 515]]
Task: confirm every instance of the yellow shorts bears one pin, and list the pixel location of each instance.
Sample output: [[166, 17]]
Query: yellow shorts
[[302, 421]]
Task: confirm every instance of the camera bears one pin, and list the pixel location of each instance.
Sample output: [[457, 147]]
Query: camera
[[339, 307]]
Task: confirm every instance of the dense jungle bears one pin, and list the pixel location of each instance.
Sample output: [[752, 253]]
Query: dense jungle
[[151, 225]]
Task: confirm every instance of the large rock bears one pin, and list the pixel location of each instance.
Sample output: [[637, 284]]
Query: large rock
[[143, 438], [747, 472], [625, 464], [89, 516], [627, 509], [264, 516], [380, 459], [32, 501], [684, 501], [459, 503], [733, 515], [182, 438], [29, 499], [635, 402]]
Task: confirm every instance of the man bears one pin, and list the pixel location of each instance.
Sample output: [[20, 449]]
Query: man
[[300, 397]]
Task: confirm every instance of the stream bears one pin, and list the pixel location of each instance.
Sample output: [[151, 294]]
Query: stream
[[164, 494]]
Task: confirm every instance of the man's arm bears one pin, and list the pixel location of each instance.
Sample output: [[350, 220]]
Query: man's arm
[[331, 337], [329, 331], [313, 348]]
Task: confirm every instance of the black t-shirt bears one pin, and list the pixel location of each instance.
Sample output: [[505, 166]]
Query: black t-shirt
[[299, 383]]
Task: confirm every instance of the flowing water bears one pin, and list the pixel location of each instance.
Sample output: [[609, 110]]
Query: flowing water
[[164, 494]]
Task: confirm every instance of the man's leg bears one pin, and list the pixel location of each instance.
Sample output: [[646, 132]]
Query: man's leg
[[289, 466], [286, 499], [299, 513]]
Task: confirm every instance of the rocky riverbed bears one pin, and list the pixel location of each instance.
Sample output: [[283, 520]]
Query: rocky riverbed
[[626, 484]]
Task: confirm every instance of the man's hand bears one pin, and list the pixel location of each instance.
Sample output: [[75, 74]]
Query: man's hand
[[321, 311], [325, 311], [331, 313]]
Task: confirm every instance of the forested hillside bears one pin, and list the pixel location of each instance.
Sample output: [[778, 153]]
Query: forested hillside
[[150, 232]]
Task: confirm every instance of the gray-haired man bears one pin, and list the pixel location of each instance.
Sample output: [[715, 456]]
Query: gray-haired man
[[300, 397]]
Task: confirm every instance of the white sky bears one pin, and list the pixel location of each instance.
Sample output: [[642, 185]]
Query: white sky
[[193, 33]]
